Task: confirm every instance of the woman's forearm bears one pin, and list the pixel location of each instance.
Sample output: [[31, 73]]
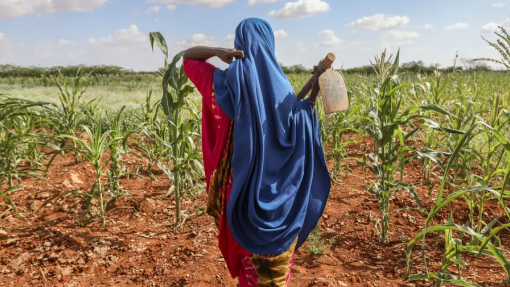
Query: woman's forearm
[[200, 53], [313, 96], [203, 53], [305, 90]]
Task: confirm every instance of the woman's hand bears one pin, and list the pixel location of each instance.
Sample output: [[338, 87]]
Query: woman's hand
[[228, 55]]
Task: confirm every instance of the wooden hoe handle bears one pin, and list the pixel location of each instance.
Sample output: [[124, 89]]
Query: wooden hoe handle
[[323, 65]]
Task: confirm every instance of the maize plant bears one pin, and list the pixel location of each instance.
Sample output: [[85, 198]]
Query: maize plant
[[13, 139], [502, 45], [431, 93], [479, 240], [341, 136], [182, 130], [153, 127], [94, 151], [388, 129], [70, 97], [117, 149], [149, 110], [489, 157]]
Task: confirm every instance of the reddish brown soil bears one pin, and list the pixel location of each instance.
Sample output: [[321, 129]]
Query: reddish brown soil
[[138, 247]]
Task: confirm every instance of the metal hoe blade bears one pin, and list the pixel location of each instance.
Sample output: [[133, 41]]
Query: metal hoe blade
[[334, 92]]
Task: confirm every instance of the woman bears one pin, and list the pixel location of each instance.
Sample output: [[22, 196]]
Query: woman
[[264, 163]]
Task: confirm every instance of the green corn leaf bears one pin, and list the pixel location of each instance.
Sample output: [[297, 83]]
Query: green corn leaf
[[436, 228], [489, 226], [500, 257], [156, 37], [493, 233], [452, 197], [396, 63], [167, 103], [410, 189]]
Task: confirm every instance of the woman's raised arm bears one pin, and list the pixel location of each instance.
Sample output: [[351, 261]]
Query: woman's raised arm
[[203, 53]]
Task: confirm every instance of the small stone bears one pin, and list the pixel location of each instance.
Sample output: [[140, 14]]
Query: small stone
[[112, 268], [43, 195], [66, 271], [75, 179], [341, 283], [67, 184], [3, 232], [47, 243], [81, 261], [18, 264], [35, 205]]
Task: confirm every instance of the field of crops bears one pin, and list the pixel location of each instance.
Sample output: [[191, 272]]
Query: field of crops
[[101, 182]]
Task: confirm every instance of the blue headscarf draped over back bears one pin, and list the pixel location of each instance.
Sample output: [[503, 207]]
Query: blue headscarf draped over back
[[280, 180]]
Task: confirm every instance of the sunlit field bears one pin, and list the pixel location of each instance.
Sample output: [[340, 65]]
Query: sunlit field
[[420, 162]]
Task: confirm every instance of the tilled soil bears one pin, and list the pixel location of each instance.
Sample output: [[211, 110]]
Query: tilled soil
[[139, 247]]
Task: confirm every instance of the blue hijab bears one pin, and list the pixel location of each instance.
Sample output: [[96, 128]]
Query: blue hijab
[[280, 179]]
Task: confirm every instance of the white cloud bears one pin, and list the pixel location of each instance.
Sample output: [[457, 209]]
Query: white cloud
[[425, 27], [493, 27], [489, 28], [228, 41], [280, 34], [400, 35], [271, 13], [399, 38], [301, 9], [230, 37], [498, 4], [2, 36], [380, 22], [458, 26], [253, 2], [153, 9], [205, 3], [63, 42], [121, 38], [198, 39], [10, 9], [357, 44], [171, 7], [301, 46], [330, 40]]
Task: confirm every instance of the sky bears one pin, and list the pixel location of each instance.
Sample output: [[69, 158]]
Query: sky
[[115, 32]]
